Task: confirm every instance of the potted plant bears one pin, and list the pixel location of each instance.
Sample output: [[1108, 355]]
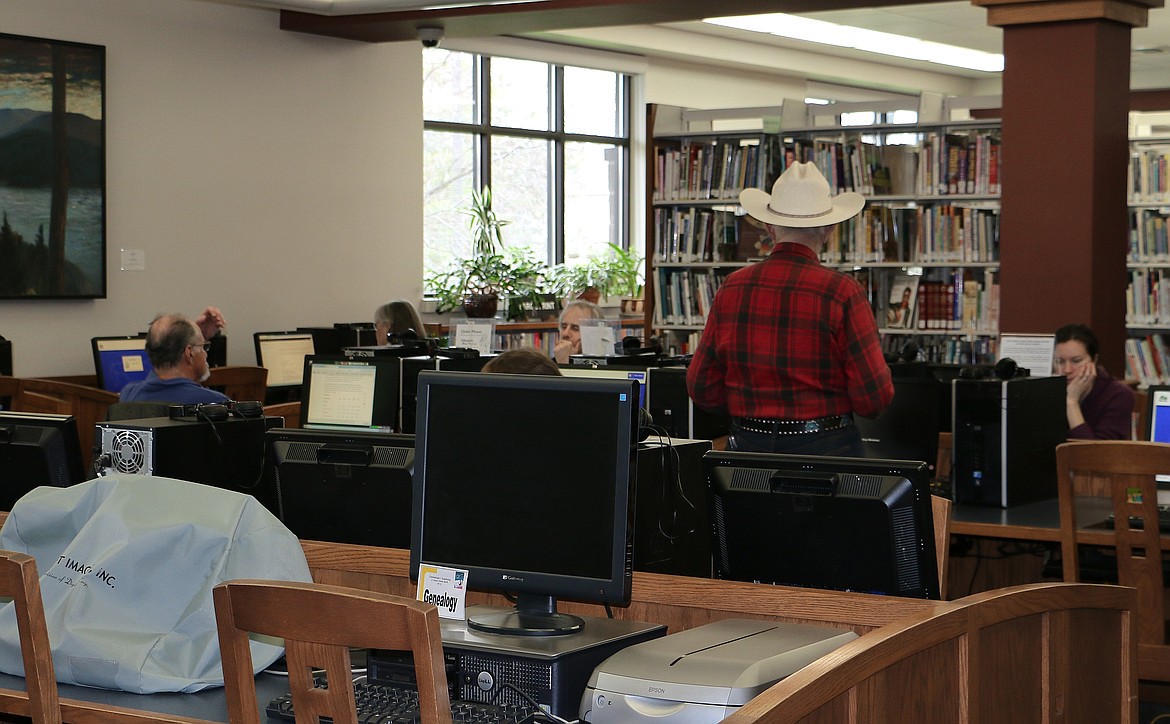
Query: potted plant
[[579, 281], [624, 275], [491, 271]]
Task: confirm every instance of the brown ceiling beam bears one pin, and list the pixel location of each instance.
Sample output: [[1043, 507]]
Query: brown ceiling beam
[[530, 17]]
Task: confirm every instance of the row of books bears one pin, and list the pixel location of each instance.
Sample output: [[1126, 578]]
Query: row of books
[[933, 164], [710, 170], [1148, 174], [923, 234], [683, 296], [961, 302], [689, 234], [1147, 297], [1148, 239], [1147, 359], [544, 341], [939, 349]]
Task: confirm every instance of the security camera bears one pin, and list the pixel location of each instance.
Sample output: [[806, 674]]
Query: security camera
[[430, 37]]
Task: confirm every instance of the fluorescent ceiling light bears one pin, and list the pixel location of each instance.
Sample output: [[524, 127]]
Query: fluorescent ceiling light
[[818, 31]]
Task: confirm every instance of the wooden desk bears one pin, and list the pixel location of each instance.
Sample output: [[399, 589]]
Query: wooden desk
[[682, 602]]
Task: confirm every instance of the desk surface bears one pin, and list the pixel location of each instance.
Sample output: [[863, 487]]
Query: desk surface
[[1039, 521]]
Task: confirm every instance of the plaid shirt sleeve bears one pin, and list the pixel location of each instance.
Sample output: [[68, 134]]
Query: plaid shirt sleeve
[[871, 388], [707, 373]]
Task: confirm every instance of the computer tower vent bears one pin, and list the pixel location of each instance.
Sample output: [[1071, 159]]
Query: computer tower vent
[[128, 450]]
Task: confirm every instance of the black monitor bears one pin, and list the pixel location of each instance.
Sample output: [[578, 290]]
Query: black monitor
[[342, 393], [118, 361], [37, 449], [838, 523], [908, 429], [525, 505], [343, 487], [283, 355], [641, 374]]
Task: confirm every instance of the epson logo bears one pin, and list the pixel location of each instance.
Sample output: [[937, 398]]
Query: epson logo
[[655, 690]]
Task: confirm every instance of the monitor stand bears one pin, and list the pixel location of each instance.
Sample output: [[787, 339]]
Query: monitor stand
[[534, 615]]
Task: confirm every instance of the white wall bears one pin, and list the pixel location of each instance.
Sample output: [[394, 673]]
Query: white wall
[[274, 174]]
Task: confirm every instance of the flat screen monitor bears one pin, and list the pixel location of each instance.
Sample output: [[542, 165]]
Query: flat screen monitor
[[907, 429], [119, 361], [1158, 413], [37, 449], [343, 487], [283, 355], [527, 506], [851, 524], [342, 393], [641, 374]]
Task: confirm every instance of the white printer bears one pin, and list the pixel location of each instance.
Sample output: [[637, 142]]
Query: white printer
[[702, 674]]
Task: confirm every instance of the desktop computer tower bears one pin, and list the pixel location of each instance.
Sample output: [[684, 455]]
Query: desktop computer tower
[[671, 407], [1005, 438], [5, 357], [225, 454], [671, 533]]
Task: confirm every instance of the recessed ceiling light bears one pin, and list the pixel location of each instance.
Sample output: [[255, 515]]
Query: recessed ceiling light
[[844, 36]]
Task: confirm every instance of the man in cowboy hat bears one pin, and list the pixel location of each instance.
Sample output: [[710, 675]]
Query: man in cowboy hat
[[791, 351]]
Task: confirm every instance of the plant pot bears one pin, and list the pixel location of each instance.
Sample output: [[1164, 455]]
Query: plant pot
[[592, 294], [481, 306], [633, 306]]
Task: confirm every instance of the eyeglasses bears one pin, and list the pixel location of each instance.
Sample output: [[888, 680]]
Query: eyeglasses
[[206, 346]]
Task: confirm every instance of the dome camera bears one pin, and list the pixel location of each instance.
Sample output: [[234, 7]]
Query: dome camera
[[430, 37]]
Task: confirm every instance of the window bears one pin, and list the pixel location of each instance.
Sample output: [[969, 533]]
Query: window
[[552, 142]]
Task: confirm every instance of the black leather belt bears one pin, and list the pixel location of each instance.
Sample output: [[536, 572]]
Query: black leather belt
[[793, 427]]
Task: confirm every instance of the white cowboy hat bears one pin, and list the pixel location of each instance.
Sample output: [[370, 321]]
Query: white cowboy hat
[[801, 198]]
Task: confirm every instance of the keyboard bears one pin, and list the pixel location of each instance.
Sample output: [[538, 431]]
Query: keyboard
[[398, 704]]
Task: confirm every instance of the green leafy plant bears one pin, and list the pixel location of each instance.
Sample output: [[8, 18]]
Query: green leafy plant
[[624, 272], [618, 273], [492, 270]]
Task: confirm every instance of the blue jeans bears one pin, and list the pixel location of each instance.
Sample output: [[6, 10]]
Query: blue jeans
[[844, 441]]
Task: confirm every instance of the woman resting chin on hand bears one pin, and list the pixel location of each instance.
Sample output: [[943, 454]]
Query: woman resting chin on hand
[[1098, 407]]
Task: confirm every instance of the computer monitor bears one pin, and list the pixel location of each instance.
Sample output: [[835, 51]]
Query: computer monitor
[[907, 429], [641, 374], [119, 361], [342, 393], [534, 508], [37, 449], [1158, 413], [343, 487], [283, 355], [836, 523]]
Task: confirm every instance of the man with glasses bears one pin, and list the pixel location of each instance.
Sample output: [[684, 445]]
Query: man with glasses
[[178, 351]]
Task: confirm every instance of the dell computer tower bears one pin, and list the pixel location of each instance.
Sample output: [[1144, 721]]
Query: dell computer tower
[[226, 453], [1005, 438]]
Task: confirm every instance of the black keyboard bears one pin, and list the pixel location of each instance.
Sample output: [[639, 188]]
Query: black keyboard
[[390, 704]]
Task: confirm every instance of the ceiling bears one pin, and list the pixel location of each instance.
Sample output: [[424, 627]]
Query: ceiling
[[955, 23]]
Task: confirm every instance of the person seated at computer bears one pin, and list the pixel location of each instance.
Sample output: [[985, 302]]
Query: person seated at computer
[[523, 361], [177, 348], [1098, 406], [397, 317], [569, 341]]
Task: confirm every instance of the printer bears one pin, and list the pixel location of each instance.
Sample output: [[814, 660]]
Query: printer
[[702, 674]]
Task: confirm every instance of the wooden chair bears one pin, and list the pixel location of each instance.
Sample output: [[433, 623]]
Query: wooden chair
[[239, 382], [89, 405], [941, 508], [931, 667], [942, 465], [20, 582], [319, 624], [1123, 471], [290, 411]]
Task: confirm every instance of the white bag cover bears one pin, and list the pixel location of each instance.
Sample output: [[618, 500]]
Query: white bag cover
[[127, 564]]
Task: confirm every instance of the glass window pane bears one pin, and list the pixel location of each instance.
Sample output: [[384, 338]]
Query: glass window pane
[[520, 94], [594, 190], [520, 191], [448, 178], [592, 102], [449, 82]]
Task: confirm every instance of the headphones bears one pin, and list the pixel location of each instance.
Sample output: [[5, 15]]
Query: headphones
[[1005, 369], [216, 411]]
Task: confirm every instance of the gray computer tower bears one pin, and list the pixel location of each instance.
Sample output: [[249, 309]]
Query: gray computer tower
[[1005, 438]]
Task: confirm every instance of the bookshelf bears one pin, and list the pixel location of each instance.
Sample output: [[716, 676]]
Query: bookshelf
[[1147, 305], [541, 335], [932, 216]]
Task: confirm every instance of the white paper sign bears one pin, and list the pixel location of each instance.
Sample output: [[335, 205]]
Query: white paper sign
[[1030, 351], [446, 588], [598, 337], [474, 334]]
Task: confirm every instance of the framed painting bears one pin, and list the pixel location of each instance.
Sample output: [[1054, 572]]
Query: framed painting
[[52, 169]]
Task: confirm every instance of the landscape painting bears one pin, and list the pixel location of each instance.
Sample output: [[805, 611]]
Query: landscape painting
[[52, 169]]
